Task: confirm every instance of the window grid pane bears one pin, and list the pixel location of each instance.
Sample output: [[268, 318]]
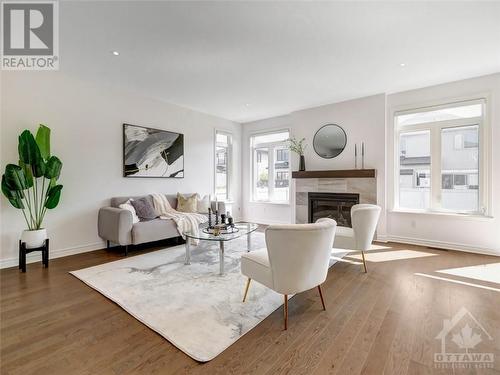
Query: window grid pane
[[460, 168], [414, 170], [271, 177], [222, 162], [443, 114], [261, 187]]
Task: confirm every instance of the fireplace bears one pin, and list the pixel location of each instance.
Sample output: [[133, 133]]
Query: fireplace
[[336, 206]]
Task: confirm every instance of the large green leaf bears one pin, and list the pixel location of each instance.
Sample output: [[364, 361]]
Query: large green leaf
[[14, 177], [53, 168], [28, 149], [27, 173], [29, 153], [53, 196], [6, 189], [17, 201], [43, 141], [39, 169]]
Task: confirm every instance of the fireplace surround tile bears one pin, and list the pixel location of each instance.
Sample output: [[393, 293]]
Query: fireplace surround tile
[[365, 187]]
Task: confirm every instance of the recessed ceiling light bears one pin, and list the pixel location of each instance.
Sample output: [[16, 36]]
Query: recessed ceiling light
[[402, 65], [247, 105], [116, 53]]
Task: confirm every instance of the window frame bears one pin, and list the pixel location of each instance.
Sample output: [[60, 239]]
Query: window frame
[[229, 163], [435, 129], [271, 146]]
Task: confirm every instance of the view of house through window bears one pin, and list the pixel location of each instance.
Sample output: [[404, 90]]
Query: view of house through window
[[271, 167], [439, 159], [223, 142]]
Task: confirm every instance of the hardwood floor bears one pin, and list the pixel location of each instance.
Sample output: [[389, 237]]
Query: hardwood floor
[[384, 321]]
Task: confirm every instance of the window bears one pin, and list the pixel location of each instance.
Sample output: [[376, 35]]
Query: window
[[223, 156], [271, 167], [440, 160]]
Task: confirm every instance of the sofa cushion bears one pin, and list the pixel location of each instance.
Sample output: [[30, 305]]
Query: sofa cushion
[[187, 204], [128, 206], [153, 230], [203, 204], [144, 209]]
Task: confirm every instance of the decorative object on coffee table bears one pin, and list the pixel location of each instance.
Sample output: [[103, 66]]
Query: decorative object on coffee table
[[23, 251], [298, 147], [31, 185]]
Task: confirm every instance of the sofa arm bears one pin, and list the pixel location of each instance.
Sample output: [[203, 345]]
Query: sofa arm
[[115, 225], [221, 207]]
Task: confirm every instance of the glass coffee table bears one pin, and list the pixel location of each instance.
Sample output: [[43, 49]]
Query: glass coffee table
[[243, 229]]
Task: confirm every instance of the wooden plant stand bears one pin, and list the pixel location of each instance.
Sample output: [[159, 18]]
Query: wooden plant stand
[[23, 251]]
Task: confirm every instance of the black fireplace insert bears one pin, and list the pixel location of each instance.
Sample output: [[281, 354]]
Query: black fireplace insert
[[336, 206]]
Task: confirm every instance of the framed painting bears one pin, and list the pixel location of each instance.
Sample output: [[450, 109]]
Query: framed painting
[[149, 152]]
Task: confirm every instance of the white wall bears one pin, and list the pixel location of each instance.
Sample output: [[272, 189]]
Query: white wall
[[362, 119], [86, 122], [456, 232]]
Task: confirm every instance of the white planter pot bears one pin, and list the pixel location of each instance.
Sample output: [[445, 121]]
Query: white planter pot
[[34, 238]]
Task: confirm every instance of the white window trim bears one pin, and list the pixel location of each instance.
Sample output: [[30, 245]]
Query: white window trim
[[435, 129], [271, 166], [229, 178]]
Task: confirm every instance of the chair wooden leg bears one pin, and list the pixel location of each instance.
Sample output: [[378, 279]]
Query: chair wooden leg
[[321, 296], [285, 312], [364, 261], [246, 289]]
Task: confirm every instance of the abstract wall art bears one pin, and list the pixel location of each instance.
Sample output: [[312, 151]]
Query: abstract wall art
[[151, 152]]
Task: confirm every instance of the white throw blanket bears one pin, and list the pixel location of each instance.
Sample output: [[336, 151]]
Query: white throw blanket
[[185, 221]]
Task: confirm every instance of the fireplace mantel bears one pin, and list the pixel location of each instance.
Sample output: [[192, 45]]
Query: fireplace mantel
[[339, 173]]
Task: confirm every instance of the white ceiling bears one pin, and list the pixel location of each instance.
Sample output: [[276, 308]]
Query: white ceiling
[[250, 60]]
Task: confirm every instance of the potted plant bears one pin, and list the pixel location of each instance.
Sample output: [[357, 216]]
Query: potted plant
[[31, 185], [298, 147]]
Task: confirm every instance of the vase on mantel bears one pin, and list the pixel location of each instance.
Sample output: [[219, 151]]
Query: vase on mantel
[[302, 166]]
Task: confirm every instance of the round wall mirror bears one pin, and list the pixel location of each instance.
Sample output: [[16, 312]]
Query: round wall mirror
[[329, 141]]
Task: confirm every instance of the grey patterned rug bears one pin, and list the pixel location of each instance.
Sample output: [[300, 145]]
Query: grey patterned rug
[[193, 307]]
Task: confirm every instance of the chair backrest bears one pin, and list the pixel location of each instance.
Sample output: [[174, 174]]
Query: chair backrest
[[299, 254], [364, 218]]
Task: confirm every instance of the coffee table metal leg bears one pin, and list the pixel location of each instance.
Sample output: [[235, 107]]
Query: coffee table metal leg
[[249, 242], [188, 251], [221, 257]]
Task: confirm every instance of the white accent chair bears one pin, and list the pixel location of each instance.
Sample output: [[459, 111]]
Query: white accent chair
[[364, 219], [296, 259]]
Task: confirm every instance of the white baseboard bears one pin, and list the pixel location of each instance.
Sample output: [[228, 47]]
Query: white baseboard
[[437, 244], [37, 257]]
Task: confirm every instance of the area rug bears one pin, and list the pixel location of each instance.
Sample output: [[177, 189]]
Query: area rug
[[192, 306]]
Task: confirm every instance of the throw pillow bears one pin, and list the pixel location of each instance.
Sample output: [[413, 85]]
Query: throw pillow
[[203, 204], [189, 204], [144, 209], [128, 206]]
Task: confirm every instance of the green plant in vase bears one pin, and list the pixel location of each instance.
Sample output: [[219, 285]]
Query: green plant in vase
[[298, 146], [31, 185]]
